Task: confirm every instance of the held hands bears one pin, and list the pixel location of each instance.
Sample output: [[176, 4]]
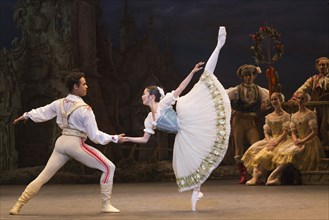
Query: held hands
[[121, 137], [299, 145], [123, 140], [20, 118], [271, 145], [298, 142]]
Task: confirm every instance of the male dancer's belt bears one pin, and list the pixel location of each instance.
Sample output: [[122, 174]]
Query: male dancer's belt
[[73, 132]]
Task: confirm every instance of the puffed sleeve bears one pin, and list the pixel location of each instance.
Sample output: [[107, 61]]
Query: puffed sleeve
[[44, 113], [266, 127], [168, 100], [313, 123], [264, 94], [233, 93], [148, 124], [286, 123]]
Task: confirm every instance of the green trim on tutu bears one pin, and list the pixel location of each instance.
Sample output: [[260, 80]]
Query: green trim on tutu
[[218, 150]]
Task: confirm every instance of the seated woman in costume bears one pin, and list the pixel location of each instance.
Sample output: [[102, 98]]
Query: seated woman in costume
[[258, 158], [307, 150]]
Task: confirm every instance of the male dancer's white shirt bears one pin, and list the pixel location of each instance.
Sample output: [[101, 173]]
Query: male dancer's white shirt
[[82, 119]]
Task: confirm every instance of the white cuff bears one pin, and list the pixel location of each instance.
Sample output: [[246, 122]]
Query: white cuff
[[26, 115], [115, 138]]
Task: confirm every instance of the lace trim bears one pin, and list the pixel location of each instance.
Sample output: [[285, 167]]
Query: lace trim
[[220, 145]]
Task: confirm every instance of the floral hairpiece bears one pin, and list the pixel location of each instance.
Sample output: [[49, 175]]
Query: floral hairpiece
[[161, 92]]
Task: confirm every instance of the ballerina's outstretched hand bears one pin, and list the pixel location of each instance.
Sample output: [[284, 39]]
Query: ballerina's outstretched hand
[[198, 67]]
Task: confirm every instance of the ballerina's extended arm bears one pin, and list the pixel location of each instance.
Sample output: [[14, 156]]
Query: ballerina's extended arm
[[210, 67], [187, 80], [145, 138]]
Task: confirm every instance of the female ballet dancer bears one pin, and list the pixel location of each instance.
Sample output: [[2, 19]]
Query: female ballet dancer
[[258, 158], [201, 123]]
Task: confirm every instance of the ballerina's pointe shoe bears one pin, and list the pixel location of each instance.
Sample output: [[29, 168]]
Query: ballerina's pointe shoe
[[196, 195], [221, 36]]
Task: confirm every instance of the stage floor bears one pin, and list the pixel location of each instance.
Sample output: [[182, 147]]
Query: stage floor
[[223, 199]]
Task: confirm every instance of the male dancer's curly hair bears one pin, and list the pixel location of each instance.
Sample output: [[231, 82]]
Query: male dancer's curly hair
[[73, 78]]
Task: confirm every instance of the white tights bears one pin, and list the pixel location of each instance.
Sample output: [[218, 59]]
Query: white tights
[[71, 146], [212, 61]]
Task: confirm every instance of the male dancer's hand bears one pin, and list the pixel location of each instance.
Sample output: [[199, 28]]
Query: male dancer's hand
[[20, 118], [121, 138], [292, 101], [264, 106]]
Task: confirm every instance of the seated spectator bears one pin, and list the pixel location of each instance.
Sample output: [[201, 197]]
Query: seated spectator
[[258, 157], [306, 151], [317, 87]]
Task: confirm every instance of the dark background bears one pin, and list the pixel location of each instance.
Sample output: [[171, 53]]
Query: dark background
[[191, 26]]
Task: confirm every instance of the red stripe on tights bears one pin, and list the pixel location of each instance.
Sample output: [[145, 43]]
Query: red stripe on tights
[[99, 159]]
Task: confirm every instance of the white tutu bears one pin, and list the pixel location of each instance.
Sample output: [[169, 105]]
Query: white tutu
[[202, 140]]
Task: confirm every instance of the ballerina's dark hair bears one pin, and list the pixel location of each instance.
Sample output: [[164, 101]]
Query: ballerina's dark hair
[[153, 90]]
